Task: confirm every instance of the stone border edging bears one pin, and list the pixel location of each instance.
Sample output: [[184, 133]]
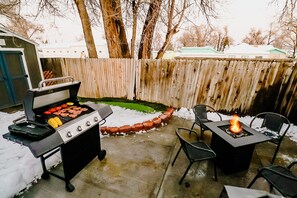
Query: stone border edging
[[144, 126]]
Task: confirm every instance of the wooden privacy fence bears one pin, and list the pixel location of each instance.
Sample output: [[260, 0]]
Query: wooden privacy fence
[[102, 77], [246, 86]]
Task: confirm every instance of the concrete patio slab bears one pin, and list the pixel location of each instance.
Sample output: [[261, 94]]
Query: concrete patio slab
[[139, 165]]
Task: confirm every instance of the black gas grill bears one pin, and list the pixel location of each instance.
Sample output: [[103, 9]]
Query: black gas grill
[[75, 131]]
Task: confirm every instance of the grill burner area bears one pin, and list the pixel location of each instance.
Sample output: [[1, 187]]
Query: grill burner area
[[242, 133]]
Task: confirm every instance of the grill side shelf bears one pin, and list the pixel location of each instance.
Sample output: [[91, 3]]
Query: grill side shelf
[[40, 147], [45, 145], [17, 139]]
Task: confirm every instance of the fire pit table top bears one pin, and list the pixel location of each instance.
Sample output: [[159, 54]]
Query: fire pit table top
[[254, 136]]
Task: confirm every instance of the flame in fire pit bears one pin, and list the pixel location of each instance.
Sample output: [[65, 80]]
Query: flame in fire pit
[[235, 126]]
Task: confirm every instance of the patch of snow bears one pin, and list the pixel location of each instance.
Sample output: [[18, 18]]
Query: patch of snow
[[121, 116]]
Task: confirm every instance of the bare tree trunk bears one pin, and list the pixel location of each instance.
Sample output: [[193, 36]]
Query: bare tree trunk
[[171, 31], [86, 25], [114, 29], [134, 27], [148, 29]]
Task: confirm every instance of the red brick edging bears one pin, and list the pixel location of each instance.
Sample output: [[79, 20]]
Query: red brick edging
[[144, 126]]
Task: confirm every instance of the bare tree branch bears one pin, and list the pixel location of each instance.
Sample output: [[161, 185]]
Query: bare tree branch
[[171, 30], [9, 8]]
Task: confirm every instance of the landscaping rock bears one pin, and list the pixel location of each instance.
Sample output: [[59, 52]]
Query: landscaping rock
[[148, 125], [170, 110], [137, 127], [103, 129], [113, 130], [157, 122], [125, 129], [164, 118]]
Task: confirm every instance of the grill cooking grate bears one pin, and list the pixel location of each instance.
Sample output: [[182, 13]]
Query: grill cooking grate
[[65, 114]]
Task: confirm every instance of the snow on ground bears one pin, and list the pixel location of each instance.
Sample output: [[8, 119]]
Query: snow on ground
[[122, 117], [19, 168]]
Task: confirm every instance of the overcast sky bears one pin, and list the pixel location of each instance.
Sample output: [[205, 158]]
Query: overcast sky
[[242, 15], [239, 15]]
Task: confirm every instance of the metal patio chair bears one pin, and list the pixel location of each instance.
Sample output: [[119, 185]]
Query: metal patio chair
[[272, 126], [200, 112], [195, 151], [281, 178]]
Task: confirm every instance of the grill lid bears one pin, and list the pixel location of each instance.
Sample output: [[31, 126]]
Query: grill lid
[[44, 96]]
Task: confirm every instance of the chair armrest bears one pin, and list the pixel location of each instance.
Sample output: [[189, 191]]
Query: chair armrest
[[215, 111], [260, 115], [278, 173], [190, 131], [292, 164]]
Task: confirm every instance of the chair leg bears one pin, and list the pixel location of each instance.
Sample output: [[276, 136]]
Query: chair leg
[[275, 153], [193, 126], [215, 171], [185, 172], [253, 181], [202, 133], [176, 155]]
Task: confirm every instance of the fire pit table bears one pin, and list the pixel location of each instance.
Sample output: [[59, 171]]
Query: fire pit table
[[234, 151]]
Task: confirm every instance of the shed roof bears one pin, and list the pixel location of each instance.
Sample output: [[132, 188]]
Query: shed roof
[[5, 32]]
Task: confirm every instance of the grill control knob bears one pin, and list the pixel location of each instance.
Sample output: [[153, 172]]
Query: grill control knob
[[79, 128], [88, 123], [96, 119], [69, 134]]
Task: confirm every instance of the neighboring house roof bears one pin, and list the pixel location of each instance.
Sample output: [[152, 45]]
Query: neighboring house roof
[[277, 51], [241, 50], [247, 49], [5, 32], [191, 52], [271, 49], [198, 50]]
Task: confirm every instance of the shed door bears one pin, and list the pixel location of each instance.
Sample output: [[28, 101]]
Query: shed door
[[13, 79]]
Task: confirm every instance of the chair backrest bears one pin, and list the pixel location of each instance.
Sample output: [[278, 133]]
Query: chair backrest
[[186, 145], [281, 178], [200, 112], [273, 121]]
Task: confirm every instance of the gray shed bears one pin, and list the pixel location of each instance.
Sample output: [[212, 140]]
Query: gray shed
[[20, 68]]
